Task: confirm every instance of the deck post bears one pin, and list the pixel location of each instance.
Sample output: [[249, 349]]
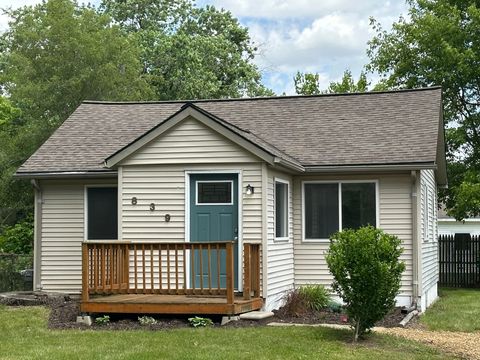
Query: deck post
[[246, 272], [230, 271], [256, 270], [85, 279], [126, 267]]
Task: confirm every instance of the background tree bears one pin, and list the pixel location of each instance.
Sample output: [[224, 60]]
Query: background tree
[[439, 44], [57, 53], [308, 84], [53, 56], [190, 52]]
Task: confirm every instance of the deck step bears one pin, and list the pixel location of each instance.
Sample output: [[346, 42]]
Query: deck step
[[256, 315]]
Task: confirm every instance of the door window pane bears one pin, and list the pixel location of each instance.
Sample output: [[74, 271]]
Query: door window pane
[[281, 210], [102, 213], [358, 205], [321, 210], [214, 192]]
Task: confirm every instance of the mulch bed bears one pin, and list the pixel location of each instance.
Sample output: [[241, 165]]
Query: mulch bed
[[64, 312]]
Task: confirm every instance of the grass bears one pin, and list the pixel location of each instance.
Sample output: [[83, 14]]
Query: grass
[[456, 310], [24, 335]]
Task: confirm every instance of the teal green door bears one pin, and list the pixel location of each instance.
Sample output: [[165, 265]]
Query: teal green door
[[213, 217]]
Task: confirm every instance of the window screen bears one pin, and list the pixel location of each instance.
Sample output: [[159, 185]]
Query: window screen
[[358, 205], [102, 213], [321, 210], [281, 210], [214, 192]]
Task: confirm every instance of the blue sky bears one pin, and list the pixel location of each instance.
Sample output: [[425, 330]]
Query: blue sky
[[324, 36]]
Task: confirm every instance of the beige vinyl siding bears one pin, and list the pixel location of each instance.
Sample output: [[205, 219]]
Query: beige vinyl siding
[[62, 233], [280, 264], [189, 142], [429, 226], [164, 185], [395, 215]]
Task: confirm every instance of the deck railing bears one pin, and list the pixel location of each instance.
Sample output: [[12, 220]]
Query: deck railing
[[204, 269]]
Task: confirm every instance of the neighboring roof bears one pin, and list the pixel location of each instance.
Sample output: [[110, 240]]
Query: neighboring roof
[[375, 128]]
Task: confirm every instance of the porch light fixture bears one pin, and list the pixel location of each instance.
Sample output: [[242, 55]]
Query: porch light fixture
[[249, 190]]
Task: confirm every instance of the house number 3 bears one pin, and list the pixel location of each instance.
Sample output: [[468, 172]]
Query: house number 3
[[152, 207]]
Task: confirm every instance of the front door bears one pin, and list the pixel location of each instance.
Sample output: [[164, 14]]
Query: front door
[[213, 217]]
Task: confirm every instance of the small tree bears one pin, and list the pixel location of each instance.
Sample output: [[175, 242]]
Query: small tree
[[367, 271]]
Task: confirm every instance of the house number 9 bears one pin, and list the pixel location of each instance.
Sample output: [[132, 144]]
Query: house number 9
[[152, 207]]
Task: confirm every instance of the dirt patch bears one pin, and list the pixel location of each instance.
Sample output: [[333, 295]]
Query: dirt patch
[[465, 345], [326, 316], [65, 309]]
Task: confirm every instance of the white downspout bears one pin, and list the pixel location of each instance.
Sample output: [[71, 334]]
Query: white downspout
[[416, 253], [37, 235]]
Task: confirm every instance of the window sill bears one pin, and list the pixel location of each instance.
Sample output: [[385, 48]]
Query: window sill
[[316, 241], [281, 239]]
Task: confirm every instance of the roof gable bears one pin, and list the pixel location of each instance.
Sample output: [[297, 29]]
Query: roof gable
[[189, 111], [187, 141]]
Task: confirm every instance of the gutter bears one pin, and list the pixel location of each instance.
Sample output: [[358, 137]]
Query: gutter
[[289, 164], [366, 167], [66, 174], [37, 235]]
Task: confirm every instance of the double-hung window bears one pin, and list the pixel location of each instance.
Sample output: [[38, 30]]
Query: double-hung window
[[281, 210], [102, 215], [332, 206]]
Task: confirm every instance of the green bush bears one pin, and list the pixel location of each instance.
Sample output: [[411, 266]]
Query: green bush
[[198, 321], [315, 295], [304, 299], [146, 320], [367, 271], [10, 267], [102, 320], [18, 238]]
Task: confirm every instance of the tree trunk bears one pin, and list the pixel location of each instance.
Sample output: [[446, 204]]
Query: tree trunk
[[357, 330]]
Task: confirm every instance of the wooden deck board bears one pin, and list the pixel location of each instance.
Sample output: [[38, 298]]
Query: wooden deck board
[[168, 304]]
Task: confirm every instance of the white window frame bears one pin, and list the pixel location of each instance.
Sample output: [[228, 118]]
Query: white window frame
[[339, 183], [85, 210], [287, 220], [213, 181]]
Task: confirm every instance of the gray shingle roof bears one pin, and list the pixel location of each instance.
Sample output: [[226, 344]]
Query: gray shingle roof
[[395, 127]]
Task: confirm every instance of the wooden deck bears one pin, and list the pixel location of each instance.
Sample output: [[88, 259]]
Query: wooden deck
[[163, 278], [169, 304]]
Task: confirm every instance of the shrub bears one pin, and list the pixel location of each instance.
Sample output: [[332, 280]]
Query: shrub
[[18, 238], [316, 297], [293, 304], [102, 320], [367, 271], [146, 320], [300, 301], [198, 321]]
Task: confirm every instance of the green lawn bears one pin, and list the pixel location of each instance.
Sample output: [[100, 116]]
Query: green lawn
[[23, 335], [456, 310]]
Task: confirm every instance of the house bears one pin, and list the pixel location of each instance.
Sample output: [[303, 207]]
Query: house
[[447, 225], [224, 205]]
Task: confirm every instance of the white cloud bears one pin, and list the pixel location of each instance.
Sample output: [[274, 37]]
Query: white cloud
[[326, 36]]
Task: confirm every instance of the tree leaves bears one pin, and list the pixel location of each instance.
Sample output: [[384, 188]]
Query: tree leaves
[[439, 44], [309, 84]]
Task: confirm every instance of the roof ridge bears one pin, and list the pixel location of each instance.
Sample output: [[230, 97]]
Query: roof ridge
[[258, 98]]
